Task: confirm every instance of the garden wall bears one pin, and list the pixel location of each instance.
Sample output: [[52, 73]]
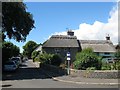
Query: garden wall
[[106, 74], [54, 69]]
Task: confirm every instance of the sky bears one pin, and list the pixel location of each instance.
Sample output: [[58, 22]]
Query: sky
[[88, 20]]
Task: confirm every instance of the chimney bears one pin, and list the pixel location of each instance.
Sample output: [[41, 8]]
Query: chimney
[[108, 37], [70, 32]]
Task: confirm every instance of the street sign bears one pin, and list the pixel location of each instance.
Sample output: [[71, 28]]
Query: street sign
[[68, 54], [68, 58]]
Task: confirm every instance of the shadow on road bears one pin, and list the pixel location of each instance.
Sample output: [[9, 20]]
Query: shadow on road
[[28, 73], [24, 73]]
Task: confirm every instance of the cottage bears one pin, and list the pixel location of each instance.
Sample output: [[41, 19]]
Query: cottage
[[103, 48], [61, 44]]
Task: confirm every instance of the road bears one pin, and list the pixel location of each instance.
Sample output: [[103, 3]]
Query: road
[[30, 76]]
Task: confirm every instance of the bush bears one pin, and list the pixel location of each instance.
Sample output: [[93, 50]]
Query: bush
[[52, 59], [34, 55], [87, 58], [45, 58], [117, 65], [106, 67], [56, 60], [111, 66], [36, 59]]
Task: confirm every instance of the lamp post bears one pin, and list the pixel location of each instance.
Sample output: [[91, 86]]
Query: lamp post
[[68, 60]]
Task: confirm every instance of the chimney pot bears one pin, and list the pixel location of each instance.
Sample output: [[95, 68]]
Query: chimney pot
[[108, 37]]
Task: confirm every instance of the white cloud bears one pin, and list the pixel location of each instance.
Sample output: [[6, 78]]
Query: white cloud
[[98, 30]]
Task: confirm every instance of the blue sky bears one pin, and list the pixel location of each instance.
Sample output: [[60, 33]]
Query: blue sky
[[51, 17]]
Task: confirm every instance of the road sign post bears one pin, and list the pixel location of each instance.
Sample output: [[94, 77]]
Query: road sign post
[[68, 60]]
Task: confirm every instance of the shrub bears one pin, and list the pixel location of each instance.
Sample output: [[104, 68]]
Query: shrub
[[34, 55], [111, 66], [87, 58], [52, 59], [56, 60], [107, 67], [36, 59], [45, 58], [117, 65]]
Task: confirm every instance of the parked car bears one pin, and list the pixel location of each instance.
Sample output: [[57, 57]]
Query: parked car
[[17, 60], [10, 66], [25, 59]]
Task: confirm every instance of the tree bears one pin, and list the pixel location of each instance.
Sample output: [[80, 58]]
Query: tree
[[34, 54], [28, 48], [9, 50], [16, 22], [87, 58]]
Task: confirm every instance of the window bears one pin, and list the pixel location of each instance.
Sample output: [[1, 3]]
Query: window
[[106, 53], [65, 49], [57, 50]]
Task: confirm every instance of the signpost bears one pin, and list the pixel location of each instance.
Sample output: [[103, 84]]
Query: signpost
[[68, 59]]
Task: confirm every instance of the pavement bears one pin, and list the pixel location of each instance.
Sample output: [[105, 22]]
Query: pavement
[[80, 80]]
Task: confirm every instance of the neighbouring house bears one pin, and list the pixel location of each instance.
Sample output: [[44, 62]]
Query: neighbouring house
[[61, 44], [103, 48], [39, 48]]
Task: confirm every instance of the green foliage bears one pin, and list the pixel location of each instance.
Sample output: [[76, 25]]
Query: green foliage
[[28, 48], [36, 59], [105, 66], [9, 50], [45, 58], [56, 60], [52, 59], [87, 58], [117, 54], [34, 55], [117, 64], [111, 66], [16, 21]]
